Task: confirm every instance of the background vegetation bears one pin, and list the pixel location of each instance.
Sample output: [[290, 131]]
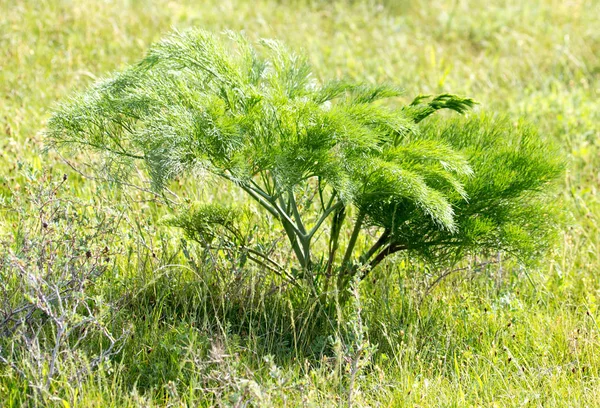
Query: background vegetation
[[154, 321]]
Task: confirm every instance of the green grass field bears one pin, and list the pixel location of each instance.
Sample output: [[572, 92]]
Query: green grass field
[[501, 336]]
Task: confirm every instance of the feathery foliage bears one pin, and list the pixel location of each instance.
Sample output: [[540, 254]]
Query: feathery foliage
[[330, 157]]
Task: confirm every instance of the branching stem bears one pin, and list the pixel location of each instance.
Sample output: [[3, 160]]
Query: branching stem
[[323, 217], [336, 227], [383, 239], [387, 251], [353, 238], [296, 211]]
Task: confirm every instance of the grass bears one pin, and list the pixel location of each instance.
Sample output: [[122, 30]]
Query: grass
[[213, 336]]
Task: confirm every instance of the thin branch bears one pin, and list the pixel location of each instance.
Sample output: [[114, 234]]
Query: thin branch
[[285, 216], [258, 189], [323, 217], [320, 190], [260, 200], [296, 212], [336, 227], [445, 274], [287, 277], [293, 238], [284, 209], [263, 256], [122, 182], [333, 196], [383, 239], [257, 193], [353, 238], [12, 365], [267, 182], [269, 203], [105, 148], [389, 250]]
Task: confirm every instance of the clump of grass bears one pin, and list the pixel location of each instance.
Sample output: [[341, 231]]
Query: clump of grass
[[525, 336], [53, 324]]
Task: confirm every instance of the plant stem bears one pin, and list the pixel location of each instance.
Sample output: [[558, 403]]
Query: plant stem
[[296, 212], [383, 239], [353, 238], [323, 217], [293, 238], [258, 198], [336, 227], [268, 202], [389, 250]]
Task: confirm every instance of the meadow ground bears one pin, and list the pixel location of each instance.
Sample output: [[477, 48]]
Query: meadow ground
[[502, 336]]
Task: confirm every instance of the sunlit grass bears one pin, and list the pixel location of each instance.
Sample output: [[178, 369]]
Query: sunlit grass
[[509, 337]]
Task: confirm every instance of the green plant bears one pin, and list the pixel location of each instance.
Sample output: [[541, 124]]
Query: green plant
[[52, 323], [330, 162]]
